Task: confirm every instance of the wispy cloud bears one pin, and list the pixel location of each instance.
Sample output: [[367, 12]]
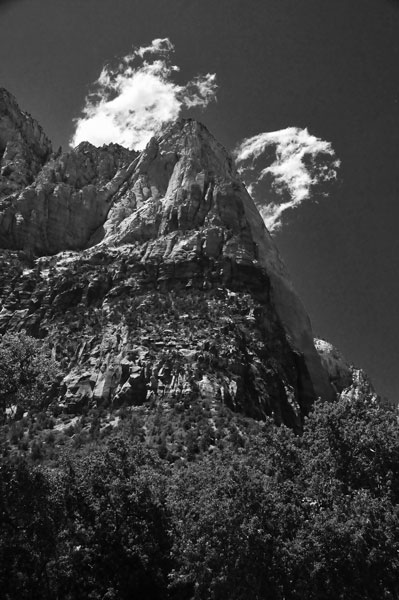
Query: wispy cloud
[[130, 101], [291, 162]]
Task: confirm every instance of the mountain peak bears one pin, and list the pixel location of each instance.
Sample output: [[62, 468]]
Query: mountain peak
[[174, 220]]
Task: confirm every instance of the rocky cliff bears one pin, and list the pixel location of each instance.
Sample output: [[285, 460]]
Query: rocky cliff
[[152, 275], [24, 148]]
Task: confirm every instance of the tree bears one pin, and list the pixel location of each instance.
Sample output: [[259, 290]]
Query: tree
[[96, 527], [225, 528], [346, 543], [356, 442], [114, 541], [28, 374], [30, 513]]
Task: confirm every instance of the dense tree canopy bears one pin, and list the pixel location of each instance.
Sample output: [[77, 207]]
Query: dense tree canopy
[[279, 517]]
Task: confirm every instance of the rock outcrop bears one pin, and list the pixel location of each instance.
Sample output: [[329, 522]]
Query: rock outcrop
[[155, 276], [347, 381], [24, 148], [338, 369]]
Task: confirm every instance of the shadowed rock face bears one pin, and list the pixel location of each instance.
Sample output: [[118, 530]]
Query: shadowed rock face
[[171, 271], [347, 381]]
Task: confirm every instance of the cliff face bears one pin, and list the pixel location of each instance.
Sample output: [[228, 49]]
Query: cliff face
[[65, 202], [157, 277], [24, 148]]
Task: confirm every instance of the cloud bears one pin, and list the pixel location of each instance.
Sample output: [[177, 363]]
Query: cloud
[[131, 100], [292, 163], [157, 46]]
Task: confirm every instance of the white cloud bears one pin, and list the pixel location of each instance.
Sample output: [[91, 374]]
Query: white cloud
[[131, 101], [292, 162], [157, 46]]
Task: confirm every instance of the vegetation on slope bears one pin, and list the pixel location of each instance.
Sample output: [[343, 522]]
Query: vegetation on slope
[[159, 506]]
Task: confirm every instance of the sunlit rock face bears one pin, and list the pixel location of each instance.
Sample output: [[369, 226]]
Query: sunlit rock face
[[24, 147], [66, 202], [157, 278], [189, 208]]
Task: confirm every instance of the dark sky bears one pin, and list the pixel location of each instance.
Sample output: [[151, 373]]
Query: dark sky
[[330, 66]]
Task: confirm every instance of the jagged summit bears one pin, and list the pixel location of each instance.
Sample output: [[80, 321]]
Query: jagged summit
[[173, 223]]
